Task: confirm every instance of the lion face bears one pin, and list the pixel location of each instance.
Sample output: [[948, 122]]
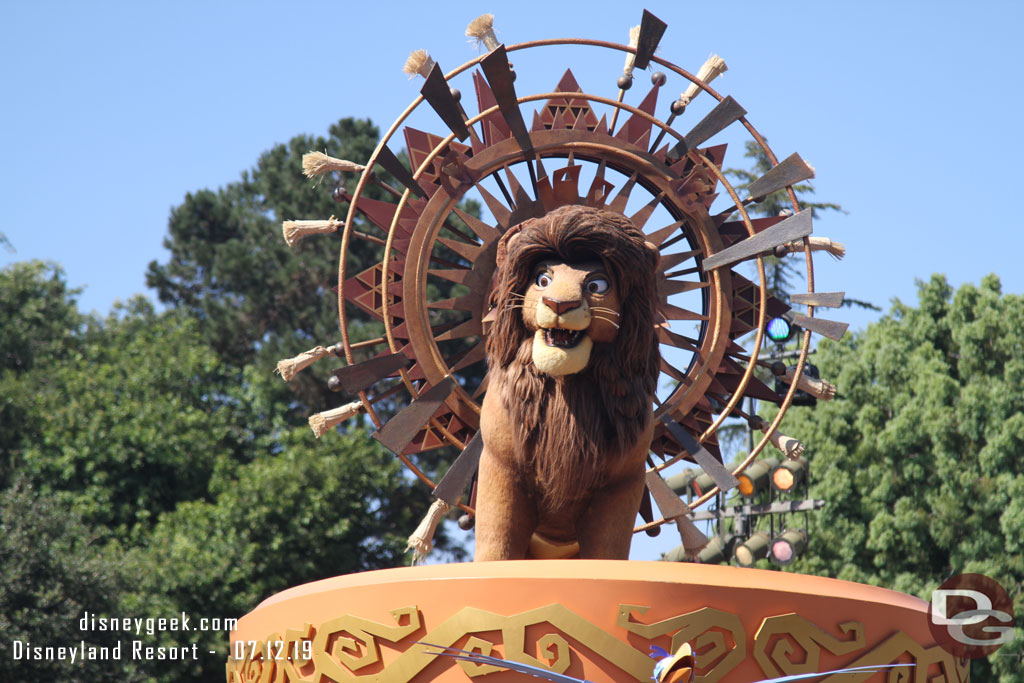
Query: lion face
[[569, 307]]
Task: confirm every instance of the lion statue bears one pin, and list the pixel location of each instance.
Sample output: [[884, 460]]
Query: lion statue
[[567, 419]]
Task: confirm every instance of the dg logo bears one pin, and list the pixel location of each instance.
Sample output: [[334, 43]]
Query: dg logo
[[971, 616]]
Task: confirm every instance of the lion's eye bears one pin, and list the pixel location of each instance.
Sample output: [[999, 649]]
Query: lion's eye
[[597, 286], [543, 280]]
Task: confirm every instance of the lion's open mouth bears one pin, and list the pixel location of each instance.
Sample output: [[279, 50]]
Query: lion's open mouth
[[563, 339]]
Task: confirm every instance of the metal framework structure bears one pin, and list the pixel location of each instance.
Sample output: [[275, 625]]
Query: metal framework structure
[[669, 181]]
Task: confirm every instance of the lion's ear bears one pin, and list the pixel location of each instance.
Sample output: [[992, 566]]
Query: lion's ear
[[501, 258], [655, 253]]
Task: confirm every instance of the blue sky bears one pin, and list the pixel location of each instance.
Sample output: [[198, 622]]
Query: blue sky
[[114, 111]]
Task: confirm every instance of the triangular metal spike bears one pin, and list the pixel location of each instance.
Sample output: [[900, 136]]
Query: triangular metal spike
[[669, 504], [718, 119], [470, 252], [476, 354], [832, 329], [692, 538], [651, 30], [482, 388], [637, 130], [455, 481], [640, 218], [438, 95], [792, 170], [618, 204], [675, 313], [487, 233], [668, 287], [519, 195], [456, 275], [500, 212], [659, 236], [355, 378], [500, 77], [677, 340], [470, 303], [827, 299], [722, 477], [793, 228], [390, 163], [468, 328], [403, 427], [672, 371], [669, 261]]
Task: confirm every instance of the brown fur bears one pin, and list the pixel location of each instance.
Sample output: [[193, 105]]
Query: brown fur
[[575, 434]]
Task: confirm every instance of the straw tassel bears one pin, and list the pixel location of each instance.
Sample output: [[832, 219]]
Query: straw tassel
[[481, 29], [321, 422], [289, 367], [709, 71], [836, 249], [626, 79], [296, 230], [419, 63], [789, 446], [318, 163], [422, 540], [818, 388]]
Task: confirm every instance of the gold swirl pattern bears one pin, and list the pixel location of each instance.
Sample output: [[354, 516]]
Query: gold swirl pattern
[[348, 648], [705, 629]]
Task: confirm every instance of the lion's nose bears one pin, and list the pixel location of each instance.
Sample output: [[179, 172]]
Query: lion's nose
[[560, 307]]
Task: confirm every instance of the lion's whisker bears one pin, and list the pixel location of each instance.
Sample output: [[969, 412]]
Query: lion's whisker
[[607, 320], [602, 309]]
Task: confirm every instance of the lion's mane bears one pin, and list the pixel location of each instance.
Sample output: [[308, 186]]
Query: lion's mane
[[576, 422]]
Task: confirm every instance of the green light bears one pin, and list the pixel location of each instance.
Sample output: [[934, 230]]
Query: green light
[[779, 330]]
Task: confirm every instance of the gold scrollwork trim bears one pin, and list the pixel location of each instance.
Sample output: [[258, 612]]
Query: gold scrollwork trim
[[703, 629], [351, 635]]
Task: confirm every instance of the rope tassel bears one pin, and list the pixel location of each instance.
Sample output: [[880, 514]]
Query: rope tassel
[[709, 71], [818, 388], [836, 249], [318, 163], [626, 79], [789, 446], [296, 230], [328, 419], [482, 30], [289, 367], [420, 62], [422, 540]]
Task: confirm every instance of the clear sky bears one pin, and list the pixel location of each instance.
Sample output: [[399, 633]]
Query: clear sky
[[114, 111]]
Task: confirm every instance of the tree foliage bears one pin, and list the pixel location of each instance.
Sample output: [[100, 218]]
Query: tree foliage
[[257, 300], [146, 450], [919, 457], [51, 573]]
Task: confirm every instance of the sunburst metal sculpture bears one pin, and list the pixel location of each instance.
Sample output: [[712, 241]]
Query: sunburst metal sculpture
[[667, 182]]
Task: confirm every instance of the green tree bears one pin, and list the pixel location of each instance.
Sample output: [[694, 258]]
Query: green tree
[[135, 421], [39, 325], [297, 516], [52, 571], [919, 457], [256, 299]]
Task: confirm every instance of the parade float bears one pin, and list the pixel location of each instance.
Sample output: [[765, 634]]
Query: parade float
[[577, 347]]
